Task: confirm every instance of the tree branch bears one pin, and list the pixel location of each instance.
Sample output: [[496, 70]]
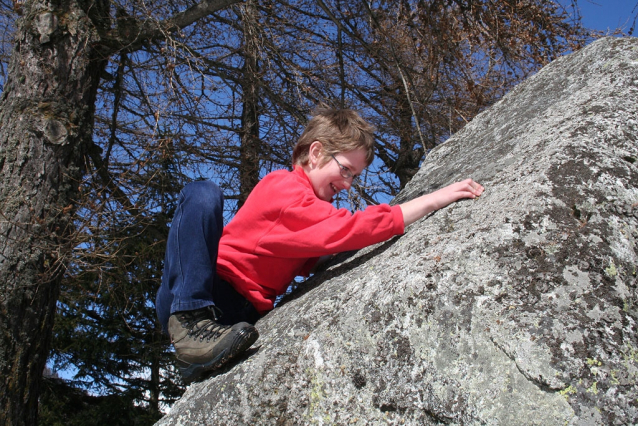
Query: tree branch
[[139, 31], [109, 182]]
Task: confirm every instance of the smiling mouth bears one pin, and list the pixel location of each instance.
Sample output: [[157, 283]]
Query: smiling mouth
[[334, 188]]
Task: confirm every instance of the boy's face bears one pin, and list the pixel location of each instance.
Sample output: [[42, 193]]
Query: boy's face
[[327, 179]]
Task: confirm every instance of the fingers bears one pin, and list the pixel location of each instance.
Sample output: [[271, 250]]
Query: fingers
[[475, 189]]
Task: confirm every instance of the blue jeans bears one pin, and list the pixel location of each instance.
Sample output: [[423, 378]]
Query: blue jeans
[[190, 278]]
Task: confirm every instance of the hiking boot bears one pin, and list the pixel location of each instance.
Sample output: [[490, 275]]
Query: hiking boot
[[202, 345]]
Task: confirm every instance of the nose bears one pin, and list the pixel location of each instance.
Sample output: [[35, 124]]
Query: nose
[[347, 184]]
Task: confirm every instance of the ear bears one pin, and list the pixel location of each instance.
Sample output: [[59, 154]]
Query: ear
[[315, 153]]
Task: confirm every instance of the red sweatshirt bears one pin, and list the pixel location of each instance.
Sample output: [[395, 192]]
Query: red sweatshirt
[[282, 230]]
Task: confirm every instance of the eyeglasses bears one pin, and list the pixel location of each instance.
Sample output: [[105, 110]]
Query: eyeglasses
[[345, 172]]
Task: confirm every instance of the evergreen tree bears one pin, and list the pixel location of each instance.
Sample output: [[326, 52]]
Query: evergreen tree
[[62, 404], [106, 329]]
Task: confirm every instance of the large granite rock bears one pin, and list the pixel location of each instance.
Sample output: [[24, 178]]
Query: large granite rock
[[516, 308]]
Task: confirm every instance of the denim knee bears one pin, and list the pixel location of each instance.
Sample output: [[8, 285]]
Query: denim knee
[[204, 195]]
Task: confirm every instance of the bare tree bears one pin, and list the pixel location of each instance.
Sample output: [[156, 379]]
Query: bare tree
[[425, 68]]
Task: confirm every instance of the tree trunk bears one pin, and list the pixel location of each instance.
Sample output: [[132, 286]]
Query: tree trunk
[[250, 141], [156, 380], [409, 157], [46, 122]]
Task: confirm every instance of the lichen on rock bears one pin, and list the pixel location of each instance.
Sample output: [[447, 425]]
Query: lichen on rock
[[519, 307]]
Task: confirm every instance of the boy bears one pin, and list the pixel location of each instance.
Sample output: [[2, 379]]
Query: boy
[[218, 282]]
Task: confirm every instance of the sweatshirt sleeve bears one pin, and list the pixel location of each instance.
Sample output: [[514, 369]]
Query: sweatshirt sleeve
[[310, 227]]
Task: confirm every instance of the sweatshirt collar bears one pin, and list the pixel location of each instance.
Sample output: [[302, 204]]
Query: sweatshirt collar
[[298, 170]]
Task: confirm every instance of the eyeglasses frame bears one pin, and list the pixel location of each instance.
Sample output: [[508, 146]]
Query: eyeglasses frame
[[345, 172]]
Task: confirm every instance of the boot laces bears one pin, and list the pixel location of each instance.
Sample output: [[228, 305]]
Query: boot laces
[[203, 323]]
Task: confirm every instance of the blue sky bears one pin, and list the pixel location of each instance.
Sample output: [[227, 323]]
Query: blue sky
[[606, 15]]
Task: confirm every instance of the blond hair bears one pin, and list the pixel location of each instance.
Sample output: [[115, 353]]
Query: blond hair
[[338, 130]]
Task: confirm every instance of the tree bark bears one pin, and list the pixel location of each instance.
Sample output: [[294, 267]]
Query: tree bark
[[46, 121], [62, 47], [250, 148]]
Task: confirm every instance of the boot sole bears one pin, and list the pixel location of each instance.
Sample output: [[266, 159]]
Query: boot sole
[[244, 339]]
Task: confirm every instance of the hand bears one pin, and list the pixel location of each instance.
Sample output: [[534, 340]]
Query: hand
[[451, 193], [415, 209]]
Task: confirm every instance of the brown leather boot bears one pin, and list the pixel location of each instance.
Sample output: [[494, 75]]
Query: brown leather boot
[[202, 344]]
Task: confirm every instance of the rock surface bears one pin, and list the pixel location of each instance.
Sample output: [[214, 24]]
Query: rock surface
[[516, 308]]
